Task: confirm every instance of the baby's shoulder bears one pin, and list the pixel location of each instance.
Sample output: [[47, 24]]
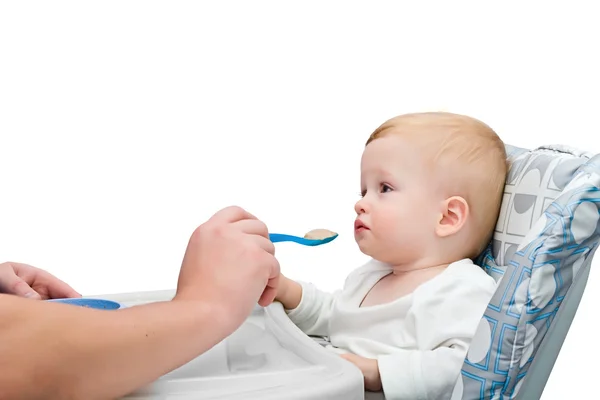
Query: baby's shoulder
[[462, 277]]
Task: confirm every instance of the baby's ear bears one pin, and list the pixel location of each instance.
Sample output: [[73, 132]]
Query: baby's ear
[[454, 214]]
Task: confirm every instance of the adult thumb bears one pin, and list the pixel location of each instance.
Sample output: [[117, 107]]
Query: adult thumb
[[13, 284]]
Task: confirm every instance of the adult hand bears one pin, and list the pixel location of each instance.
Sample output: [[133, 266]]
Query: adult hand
[[230, 262], [27, 281], [228, 266]]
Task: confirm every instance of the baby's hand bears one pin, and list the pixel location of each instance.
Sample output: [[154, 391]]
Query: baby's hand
[[289, 293], [369, 368]]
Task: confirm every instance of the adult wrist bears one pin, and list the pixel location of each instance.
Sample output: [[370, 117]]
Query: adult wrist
[[222, 315]]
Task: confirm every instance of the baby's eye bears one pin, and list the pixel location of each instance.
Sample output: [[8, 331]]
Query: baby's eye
[[385, 188], [363, 193]]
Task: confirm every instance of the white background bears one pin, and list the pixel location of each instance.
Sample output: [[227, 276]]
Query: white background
[[124, 125]]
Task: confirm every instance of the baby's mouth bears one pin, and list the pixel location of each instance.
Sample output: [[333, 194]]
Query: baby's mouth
[[359, 226]]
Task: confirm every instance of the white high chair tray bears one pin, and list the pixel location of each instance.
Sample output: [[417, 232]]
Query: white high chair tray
[[266, 358]]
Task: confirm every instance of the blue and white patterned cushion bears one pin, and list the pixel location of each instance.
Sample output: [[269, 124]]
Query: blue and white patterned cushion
[[548, 227]]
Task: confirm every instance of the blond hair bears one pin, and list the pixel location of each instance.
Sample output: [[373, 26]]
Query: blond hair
[[469, 154]]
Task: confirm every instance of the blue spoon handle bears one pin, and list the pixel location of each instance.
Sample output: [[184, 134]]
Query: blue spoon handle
[[280, 237]]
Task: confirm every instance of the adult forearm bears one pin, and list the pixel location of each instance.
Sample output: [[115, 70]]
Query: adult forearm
[[50, 350]]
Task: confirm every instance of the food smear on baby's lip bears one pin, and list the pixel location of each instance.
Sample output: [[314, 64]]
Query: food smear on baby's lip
[[319, 234]]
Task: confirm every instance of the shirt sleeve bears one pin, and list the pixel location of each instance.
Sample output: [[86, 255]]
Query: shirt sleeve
[[313, 311], [445, 316]]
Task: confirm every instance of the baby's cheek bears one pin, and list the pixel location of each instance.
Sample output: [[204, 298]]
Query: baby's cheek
[[390, 224]]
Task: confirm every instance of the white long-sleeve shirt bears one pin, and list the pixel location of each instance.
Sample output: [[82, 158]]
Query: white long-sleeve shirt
[[419, 340]]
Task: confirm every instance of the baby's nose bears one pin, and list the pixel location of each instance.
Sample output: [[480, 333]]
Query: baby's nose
[[360, 206]]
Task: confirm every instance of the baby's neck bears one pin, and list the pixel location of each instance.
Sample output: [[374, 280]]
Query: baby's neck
[[401, 283], [418, 269]]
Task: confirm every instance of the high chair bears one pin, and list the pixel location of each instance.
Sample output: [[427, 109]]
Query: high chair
[[540, 256]]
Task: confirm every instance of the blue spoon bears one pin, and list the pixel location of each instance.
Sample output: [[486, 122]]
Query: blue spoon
[[100, 304], [280, 237]]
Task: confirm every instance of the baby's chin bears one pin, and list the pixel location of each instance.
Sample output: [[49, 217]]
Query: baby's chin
[[368, 250], [380, 255]]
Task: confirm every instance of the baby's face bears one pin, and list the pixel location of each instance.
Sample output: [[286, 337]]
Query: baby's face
[[396, 215]]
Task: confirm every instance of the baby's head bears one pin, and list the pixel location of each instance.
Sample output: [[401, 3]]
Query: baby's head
[[431, 188]]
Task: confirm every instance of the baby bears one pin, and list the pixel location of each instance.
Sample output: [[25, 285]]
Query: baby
[[431, 188]]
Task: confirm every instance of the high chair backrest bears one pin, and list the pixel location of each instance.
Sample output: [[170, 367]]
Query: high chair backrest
[[540, 255]]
